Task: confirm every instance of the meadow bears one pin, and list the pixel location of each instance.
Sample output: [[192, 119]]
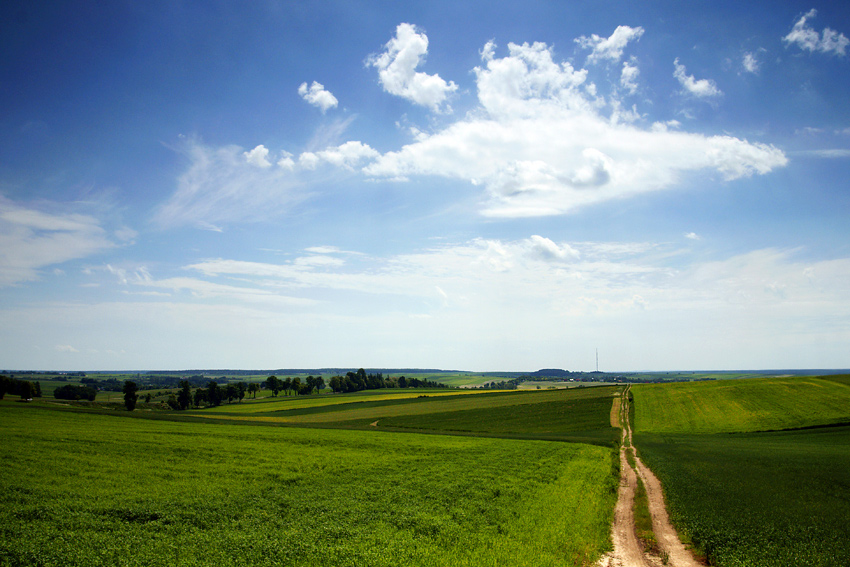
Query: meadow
[[103, 487], [729, 406], [744, 495]]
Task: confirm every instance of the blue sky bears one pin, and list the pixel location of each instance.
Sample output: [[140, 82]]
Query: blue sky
[[476, 186]]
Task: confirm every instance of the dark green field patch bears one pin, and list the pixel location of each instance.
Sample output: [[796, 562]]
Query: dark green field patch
[[586, 418], [758, 499]]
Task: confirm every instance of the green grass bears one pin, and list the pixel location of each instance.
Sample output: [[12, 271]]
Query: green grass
[[578, 415], [575, 415], [268, 403], [98, 489], [743, 493], [760, 404], [758, 499]]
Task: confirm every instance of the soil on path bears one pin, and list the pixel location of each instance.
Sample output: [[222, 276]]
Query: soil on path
[[628, 551]]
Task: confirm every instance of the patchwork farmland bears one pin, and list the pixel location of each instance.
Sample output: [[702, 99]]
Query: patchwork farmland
[[755, 472]]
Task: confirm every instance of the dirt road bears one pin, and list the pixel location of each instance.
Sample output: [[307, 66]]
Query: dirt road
[[628, 551]]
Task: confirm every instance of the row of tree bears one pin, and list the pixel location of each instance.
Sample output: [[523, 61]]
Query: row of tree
[[23, 388], [357, 381], [294, 385]]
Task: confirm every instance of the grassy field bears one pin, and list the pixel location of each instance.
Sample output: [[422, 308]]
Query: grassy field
[[729, 406], [579, 414], [750, 498], [104, 489], [267, 403]]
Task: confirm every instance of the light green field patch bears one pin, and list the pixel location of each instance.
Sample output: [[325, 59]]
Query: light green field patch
[[284, 403], [740, 405], [370, 411], [97, 489]]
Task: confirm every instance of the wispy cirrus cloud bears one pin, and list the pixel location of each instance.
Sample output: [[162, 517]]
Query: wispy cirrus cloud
[[36, 237], [538, 279], [223, 185]]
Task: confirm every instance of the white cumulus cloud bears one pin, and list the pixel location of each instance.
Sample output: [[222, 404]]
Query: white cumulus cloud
[[258, 156], [702, 88], [806, 38], [316, 95], [348, 154], [610, 48], [397, 69], [750, 63], [540, 144]]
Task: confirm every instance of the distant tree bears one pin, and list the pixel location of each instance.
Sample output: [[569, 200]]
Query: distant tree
[[320, 383], [402, 382], [296, 384], [336, 383], [274, 384], [36, 392], [200, 396], [309, 384], [253, 387], [241, 388], [231, 392], [172, 401], [214, 393], [5, 385], [131, 395], [184, 398], [74, 392], [26, 390], [147, 398]]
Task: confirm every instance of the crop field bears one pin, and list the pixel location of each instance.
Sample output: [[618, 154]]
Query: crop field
[[750, 498], [729, 406], [101, 489], [580, 414], [267, 403]]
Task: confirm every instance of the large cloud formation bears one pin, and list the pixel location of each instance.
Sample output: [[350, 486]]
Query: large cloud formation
[[541, 145], [542, 140]]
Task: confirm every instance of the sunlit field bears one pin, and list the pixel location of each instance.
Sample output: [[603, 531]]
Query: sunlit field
[[99, 489]]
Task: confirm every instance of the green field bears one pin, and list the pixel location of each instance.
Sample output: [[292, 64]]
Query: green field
[[750, 498], [730, 406], [103, 487], [580, 414], [756, 472]]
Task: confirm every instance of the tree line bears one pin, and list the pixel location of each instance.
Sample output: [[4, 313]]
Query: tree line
[[24, 388], [357, 381]]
